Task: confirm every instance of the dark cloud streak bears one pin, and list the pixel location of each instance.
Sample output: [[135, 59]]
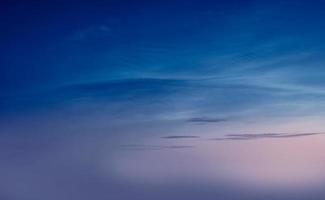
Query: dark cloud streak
[[264, 136], [180, 137], [143, 147], [206, 120]]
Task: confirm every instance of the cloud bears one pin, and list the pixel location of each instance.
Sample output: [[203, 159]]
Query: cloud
[[139, 91], [180, 137], [91, 32], [154, 147], [128, 89], [206, 120], [264, 136]]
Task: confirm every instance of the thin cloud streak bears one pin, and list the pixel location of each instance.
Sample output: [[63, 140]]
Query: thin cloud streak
[[264, 136], [143, 147], [206, 120], [180, 137]]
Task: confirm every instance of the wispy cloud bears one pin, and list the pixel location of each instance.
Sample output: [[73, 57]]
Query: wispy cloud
[[153, 147], [180, 137], [206, 120], [264, 136], [91, 32]]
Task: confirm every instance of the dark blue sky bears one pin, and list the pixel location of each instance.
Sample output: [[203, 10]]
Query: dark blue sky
[[93, 86], [237, 46], [59, 42]]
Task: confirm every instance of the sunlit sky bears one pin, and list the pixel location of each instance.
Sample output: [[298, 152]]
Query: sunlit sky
[[178, 99]]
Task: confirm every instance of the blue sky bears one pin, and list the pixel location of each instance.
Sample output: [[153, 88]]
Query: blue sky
[[90, 78], [206, 55]]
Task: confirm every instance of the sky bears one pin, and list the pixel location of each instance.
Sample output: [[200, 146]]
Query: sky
[[178, 99]]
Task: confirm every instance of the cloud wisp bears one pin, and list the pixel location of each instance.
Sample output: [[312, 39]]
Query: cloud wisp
[[91, 32], [264, 136], [206, 120], [180, 137], [143, 147]]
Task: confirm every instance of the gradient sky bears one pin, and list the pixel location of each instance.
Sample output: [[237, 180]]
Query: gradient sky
[[161, 100]]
